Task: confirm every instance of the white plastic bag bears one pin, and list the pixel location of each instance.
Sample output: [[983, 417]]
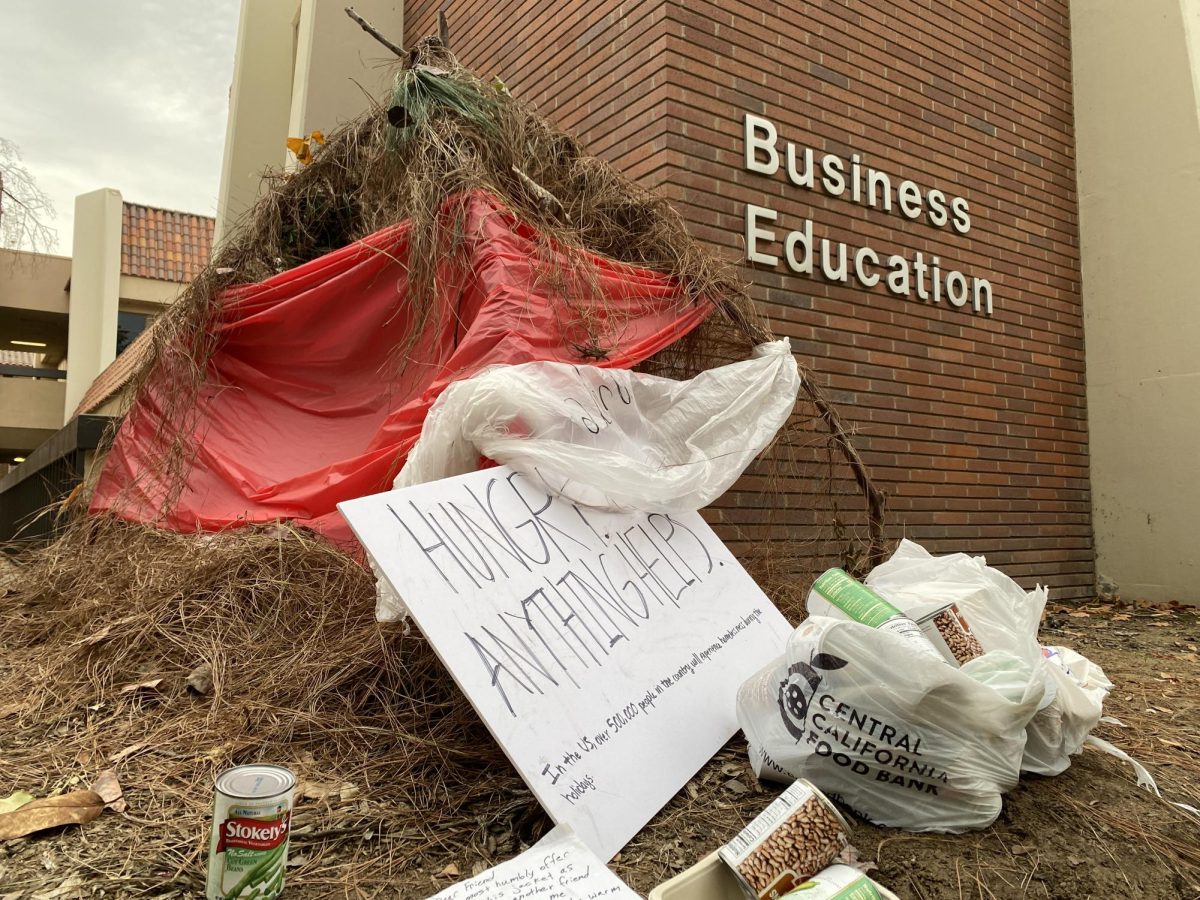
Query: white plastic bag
[[1061, 729], [611, 438], [903, 740], [607, 438], [1003, 617]]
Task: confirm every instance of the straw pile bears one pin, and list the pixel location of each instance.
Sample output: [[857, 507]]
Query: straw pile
[[300, 672]]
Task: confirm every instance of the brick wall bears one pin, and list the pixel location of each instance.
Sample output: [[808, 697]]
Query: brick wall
[[975, 425]]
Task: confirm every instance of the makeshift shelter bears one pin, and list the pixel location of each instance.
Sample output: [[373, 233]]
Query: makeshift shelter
[[449, 229]]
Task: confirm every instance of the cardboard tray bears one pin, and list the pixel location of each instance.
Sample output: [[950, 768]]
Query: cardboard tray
[[711, 879]]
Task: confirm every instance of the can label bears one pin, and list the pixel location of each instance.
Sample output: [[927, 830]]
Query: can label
[[947, 629], [248, 849], [837, 883], [854, 598], [794, 838], [863, 605]]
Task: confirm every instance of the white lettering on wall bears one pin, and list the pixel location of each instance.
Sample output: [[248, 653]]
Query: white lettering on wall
[[864, 185]]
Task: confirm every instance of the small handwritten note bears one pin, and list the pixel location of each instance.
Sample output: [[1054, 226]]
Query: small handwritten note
[[603, 650], [558, 867]]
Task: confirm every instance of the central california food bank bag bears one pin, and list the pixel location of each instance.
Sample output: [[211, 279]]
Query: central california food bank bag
[[902, 740], [1005, 617]]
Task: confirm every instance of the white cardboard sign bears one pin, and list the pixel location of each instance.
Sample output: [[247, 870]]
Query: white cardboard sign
[[557, 867], [603, 651]]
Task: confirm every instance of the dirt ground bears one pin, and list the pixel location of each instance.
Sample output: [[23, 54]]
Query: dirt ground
[[1090, 832]]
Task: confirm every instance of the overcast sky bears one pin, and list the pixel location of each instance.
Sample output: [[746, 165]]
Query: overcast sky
[[127, 94]]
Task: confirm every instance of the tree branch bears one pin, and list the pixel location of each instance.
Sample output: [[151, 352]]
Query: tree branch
[[374, 32], [546, 200]]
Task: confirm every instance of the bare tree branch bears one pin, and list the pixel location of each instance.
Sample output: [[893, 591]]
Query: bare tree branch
[[374, 32], [24, 207]]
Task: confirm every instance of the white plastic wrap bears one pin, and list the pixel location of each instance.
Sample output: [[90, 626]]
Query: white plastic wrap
[[1003, 617], [902, 740], [611, 438]]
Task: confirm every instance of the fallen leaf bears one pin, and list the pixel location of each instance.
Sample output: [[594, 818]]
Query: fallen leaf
[[451, 871], [109, 789], [296, 860], [142, 686], [15, 800], [96, 637], [69, 888], [11, 709], [348, 792], [128, 751], [1121, 617], [1079, 615], [736, 786], [77, 808], [200, 679], [314, 790]]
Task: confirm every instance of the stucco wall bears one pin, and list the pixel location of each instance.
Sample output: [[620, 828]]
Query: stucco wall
[[1138, 136]]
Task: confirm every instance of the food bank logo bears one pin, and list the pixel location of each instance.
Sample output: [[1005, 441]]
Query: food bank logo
[[797, 690]]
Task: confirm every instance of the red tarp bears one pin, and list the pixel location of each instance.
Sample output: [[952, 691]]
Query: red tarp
[[305, 404]]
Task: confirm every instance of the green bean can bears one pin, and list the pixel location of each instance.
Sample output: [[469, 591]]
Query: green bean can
[[252, 817]]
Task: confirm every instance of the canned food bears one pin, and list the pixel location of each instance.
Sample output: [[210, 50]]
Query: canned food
[[252, 816], [793, 839], [838, 883], [948, 631], [862, 604]]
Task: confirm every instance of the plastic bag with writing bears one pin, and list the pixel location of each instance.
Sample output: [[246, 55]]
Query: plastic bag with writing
[[607, 438], [1003, 617], [904, 740], [612, 438]]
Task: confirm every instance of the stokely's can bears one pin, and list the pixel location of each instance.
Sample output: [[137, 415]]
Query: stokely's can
[[252, 816], [790, 841], [951, 636]]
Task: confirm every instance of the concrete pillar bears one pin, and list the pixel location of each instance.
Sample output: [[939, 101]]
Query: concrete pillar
[[301, 66], [95, 292], [259, 103], [1137, 133], [340, 68]]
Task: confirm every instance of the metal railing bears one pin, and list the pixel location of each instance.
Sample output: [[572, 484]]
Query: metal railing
[[48, 475]]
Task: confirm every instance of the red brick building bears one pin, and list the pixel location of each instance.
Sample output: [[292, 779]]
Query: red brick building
[[974, 423]]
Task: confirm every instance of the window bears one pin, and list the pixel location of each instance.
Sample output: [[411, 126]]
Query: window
[[129, 326]]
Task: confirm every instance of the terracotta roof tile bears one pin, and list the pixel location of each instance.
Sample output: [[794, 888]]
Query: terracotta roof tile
[[119, 371], [164, 244]]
